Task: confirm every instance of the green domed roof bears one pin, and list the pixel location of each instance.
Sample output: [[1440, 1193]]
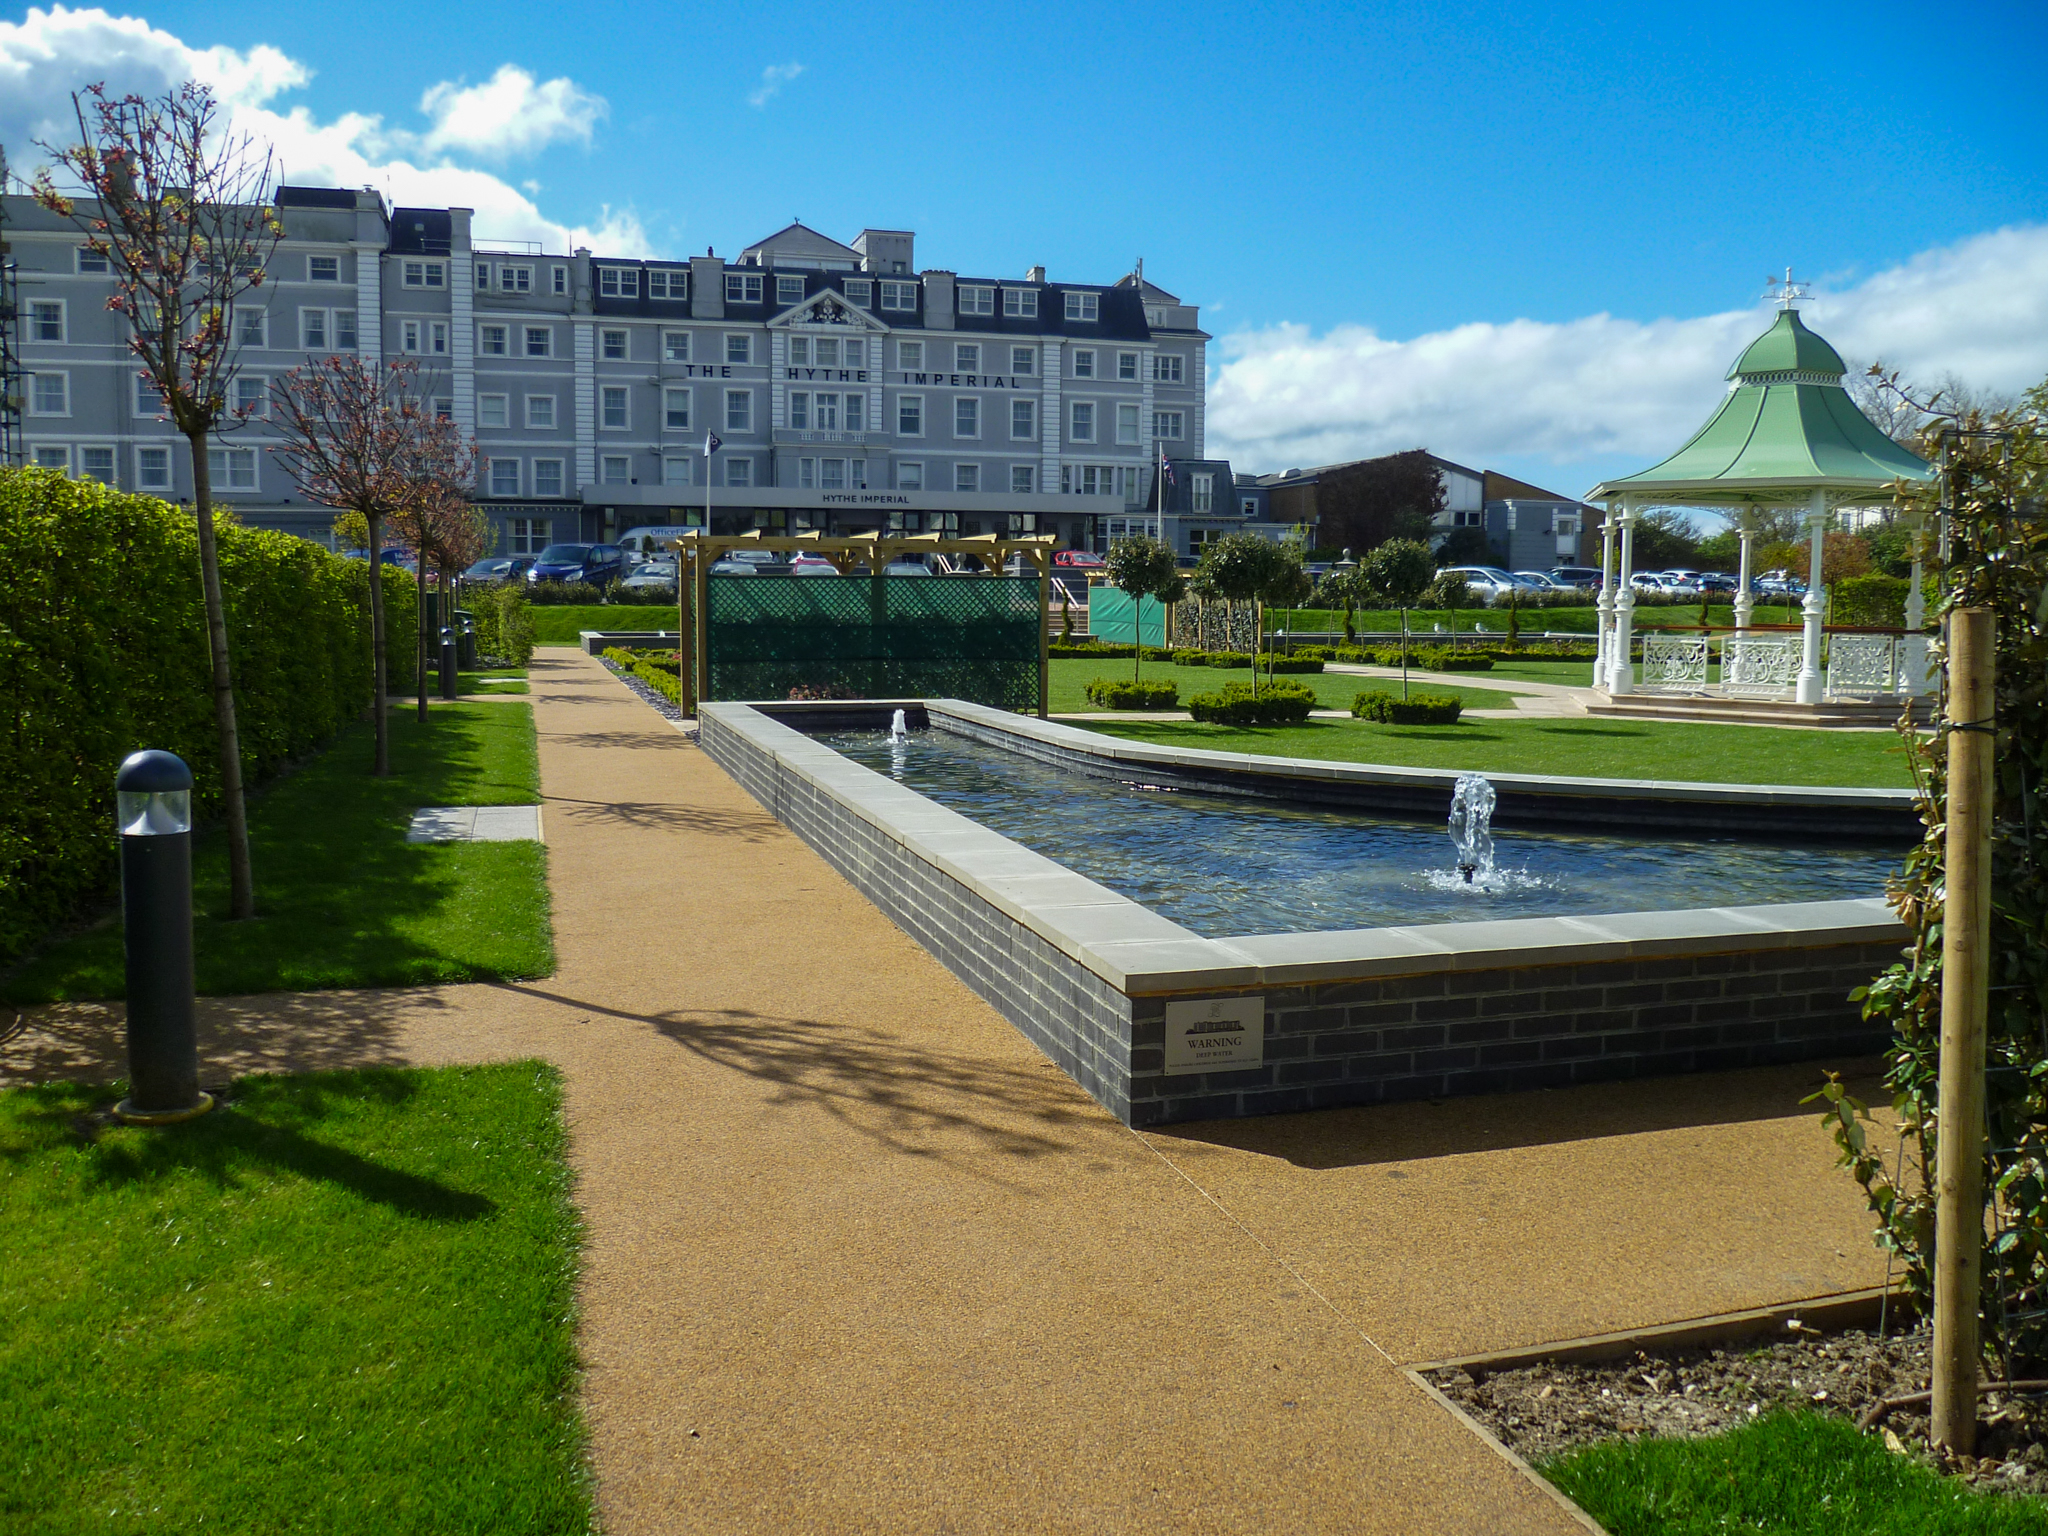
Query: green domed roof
[[1788, 347]]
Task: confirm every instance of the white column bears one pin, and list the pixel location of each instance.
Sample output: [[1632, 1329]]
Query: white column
[[1745, 604], [1604, 607], [1621, 672], [1914, 677], [1809, 689]]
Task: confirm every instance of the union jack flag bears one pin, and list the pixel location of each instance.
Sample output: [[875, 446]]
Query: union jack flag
[[1165, 467]]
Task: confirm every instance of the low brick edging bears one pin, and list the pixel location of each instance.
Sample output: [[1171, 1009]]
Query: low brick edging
[[1361, 1017]]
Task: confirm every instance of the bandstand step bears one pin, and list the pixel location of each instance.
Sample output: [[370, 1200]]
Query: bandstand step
[[1837, 714]]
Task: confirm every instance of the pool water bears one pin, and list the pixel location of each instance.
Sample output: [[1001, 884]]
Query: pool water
[[1221, 865]]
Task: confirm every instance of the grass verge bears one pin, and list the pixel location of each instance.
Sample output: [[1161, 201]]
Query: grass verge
[[1789, 1474], [1601, 749], [342, 1302], [561, 624], [342, 899], [1334, 690]]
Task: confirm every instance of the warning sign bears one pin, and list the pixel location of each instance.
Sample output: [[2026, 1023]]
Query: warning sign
[[1216, 1034]]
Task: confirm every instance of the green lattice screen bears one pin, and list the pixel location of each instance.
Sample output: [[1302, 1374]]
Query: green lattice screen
[[966, 637]]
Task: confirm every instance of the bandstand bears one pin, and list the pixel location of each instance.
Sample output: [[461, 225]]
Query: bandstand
[[1785, 435]]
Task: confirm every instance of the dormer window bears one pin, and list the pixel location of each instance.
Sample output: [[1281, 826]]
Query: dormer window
[[1084, 306], [977, 301], [742, 288], [789, 290], [618, 282], [1021, 303]]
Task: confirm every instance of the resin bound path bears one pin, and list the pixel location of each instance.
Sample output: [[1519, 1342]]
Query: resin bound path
[[860, 1259]]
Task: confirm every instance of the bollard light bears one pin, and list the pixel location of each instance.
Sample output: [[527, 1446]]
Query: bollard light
[[447, 662], [153, 808]]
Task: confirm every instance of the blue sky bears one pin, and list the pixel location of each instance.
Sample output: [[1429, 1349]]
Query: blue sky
[[1333, 184]]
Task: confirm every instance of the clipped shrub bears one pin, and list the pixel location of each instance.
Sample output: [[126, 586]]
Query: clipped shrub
[[1314, 653], [1280, 704], [1122, 693], [1873, 600], [1357, 655], [1417, 709], [1443, 659], [1227, 658], [664, 678], [1185, 657], [1295, 663], [557, 594], [504, 626]]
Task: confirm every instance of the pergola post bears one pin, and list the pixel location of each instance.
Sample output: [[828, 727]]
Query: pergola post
[[1621, 672], [1603, 624], [1745, 605], [1809, 687], [1913, 661]]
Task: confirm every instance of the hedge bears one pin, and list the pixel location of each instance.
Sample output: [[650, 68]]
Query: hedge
[[663, 676], [1420, 709], [1277, 704], [103, 651], [1875, 600], [504, 624], [1122, 693]]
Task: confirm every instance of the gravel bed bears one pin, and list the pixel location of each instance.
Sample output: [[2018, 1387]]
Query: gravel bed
[[668, 711], [1543, 1411]]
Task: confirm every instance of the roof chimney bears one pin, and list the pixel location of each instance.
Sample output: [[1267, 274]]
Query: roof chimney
[[1035, 275]]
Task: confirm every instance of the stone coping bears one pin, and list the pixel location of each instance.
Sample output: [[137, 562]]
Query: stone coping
[[1141, 953]]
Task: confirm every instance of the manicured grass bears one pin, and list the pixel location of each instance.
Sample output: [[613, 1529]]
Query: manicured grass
[[1788, 1474], [471, 682], [1591, 748], [339, 1303], [342, 899], [1335, 690], [561, 625], [1576, 621]]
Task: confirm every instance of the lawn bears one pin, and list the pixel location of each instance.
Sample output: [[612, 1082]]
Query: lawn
[[1789, 1474], [1591, 748], [342, 899], [339, 1303], [1334, 690], [560, 625]]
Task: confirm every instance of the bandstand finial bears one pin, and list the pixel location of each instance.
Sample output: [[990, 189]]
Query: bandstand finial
[[1788, 293]]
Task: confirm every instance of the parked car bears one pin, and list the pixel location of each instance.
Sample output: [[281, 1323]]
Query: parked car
[[1576, 575], [499, 568], [652, 576], [1489, 583], [653, 543], [1078, 559], [590, 564], [397, 557], [1542, 581], [766, 562], [731, 567], [906, 565], [1719, 582], [805, 563]]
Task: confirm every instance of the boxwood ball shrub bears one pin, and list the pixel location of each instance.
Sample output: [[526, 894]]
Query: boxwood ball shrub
[[1122, 693], [1277, 704], [1417, 709], [103, 651]]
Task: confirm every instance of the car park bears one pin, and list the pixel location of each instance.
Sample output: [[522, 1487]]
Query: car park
[[652, 576], [496, 568], [589, 564]]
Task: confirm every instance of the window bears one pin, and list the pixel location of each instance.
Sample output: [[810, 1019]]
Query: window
[[828, 351], [531, 535], [426, 274], [832, 474], [1022, 302], [491, 340], [739, 471], [618, 282], [547, 481], [437, 338], [800, 350], [97, 464], [313, 329], [513, 279], [1250, 507], [857, 474], [1127, 424], [232, 469], [1155, 316], [739, 349], [149, 400], [540, 340], [52, 395], [1203, 489], [483, 275], [504, 477], [252, 395], [1166, 367], [828, 413], [856, 413], [615, 469], [910, 415], [540, 411], [345, 329], [1024, 419], [675, 346], [91, 261], [899, 296], [966, 477], [46, 320], [1127, 365], [739, 412], [967, 358], [676, 471], [669, 283], [910, 477], [860, 292], [54, 456], [1084, 362], [1083, 306], [977, 301], [444, 407], [1169, 424], [966, 416], [789, 290], [613, 408], [409, 336], [909, 354], [1023, 359], [153, 468], [1082, 421], [800, 409], [675, 410], [561, 285], [742, 288], [493, 411], [1023, 477], [611, 346]]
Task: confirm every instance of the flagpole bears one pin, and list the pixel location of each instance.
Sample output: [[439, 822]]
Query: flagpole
[[1159, 492]]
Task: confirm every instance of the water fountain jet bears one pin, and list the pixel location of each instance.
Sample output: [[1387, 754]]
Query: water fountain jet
[[1472, 801]]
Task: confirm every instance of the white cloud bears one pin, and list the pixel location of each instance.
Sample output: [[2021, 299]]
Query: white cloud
[[1596, 387], [509, 114], [52, 53], [773, 78]]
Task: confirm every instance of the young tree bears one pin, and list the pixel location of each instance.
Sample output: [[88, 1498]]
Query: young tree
[[180, 209], [1397, 574], [1449, 592], [437, 467], [1243, 567], [1287, 585], [344, 445], [1141, 567], [1346, 589]]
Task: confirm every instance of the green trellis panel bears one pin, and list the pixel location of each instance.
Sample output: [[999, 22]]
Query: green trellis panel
[[973, 638]]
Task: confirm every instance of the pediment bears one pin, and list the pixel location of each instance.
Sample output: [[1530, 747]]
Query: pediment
[[828, 310]]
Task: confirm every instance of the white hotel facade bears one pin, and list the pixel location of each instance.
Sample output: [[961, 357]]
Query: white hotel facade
[[849, 390]]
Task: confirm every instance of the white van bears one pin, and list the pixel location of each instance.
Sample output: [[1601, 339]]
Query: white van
[[643, 544]]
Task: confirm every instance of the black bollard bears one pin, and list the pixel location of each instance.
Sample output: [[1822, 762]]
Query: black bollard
[[447, 662], [153, 795]]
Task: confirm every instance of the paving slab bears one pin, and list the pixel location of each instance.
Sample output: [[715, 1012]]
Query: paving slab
[[475, 824]]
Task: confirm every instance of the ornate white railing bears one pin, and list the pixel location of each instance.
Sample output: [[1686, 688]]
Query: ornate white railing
[[1863, 664], [1674, 665], [1760, 666]]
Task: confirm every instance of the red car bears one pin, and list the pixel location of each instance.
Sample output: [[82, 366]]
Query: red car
[[1078, 559]]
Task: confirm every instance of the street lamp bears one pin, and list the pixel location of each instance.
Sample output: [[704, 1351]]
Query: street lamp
[[153, 799]]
